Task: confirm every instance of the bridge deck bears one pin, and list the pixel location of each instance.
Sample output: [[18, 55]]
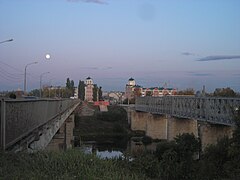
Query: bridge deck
[[210, 109], [21, 117]]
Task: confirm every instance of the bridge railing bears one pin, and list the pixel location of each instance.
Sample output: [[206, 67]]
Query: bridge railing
[[210, 109], [21, 117]]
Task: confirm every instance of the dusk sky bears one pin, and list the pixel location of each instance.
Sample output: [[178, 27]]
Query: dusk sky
[[183, 43]]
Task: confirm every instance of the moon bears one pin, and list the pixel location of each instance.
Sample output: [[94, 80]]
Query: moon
[[47, 56]]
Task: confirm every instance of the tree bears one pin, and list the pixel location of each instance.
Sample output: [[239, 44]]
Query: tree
[[137, 92], [188, 91], [224, 92], [35, 92], [69, 88], [68, 84], [100, 93], [95, 92], [12, 95], [72, 87], [81, 90], [149, 93]]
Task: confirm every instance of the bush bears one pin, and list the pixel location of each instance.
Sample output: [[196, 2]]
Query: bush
[[146, 140]]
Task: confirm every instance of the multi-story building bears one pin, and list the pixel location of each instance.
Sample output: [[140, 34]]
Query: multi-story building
[[129, 90], [158, 91], [89, 90], [135, 90]]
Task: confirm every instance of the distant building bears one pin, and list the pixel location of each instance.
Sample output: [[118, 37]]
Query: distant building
[[129, 90], [135, 90], [89, 90], [158, 91], [75, 96], [19, 93], [115, 97]]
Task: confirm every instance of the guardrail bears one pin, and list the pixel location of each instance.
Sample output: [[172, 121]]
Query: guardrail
[[211, 109], [21, 117]]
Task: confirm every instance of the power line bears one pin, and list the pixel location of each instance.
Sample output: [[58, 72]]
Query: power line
[[10, 75], [11, 66]]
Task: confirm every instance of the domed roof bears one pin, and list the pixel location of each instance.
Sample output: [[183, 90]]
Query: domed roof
[[131, 79], [88, 78]]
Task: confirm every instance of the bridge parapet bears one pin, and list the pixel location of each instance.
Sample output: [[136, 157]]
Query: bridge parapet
[[21, 117], [210, 109]]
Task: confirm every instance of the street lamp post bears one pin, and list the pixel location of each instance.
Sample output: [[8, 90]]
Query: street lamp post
[[40, 91], [25, 76], [9, 40]]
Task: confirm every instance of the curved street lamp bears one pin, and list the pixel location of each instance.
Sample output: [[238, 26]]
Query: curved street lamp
[[40, 91], [25, 75], [9, 40]]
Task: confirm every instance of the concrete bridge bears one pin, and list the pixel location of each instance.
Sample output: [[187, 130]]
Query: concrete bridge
[[208, 118], [31, 124]]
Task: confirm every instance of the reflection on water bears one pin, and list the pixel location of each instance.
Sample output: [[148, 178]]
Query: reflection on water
[[109, 155], [107, 148], [103, 154], [104, 146]]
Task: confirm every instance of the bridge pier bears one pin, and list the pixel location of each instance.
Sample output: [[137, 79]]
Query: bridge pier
[[168, 127], [162, 126], [210, 133], [64, 137], [178, 126]]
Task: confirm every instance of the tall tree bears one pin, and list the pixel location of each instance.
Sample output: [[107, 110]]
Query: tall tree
[[81, 90], [68, 84], [95, 92], [100, 93], [69, 88], [72, 87]]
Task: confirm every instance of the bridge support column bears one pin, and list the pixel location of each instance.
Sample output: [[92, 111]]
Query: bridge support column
[[64, 137], [139, 120], [155, 126], [178, 126], [162, 126], [210, 133]]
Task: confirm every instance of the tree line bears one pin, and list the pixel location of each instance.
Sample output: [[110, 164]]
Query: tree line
[[68, 91]]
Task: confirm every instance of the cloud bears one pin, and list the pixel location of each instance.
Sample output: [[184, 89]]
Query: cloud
[[199, 74], [97, 68], [236, 74], [89, 1], [188, 54], [216, 58]]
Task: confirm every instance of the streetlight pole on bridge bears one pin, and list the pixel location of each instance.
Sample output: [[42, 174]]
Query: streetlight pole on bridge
[[25, 76], [40, 90]]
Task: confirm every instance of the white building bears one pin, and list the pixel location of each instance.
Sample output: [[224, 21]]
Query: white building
[[89, 90]]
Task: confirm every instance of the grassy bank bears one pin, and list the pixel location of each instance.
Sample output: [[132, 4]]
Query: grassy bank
[[111, 123], [71, 164]]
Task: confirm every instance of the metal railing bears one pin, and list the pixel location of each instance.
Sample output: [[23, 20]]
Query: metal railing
[[21, 117], [211, 109]]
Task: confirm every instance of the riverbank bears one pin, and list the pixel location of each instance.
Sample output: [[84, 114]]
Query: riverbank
[[71, 164], [100, 125]]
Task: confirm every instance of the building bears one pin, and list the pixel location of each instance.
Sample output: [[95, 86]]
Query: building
[[135, 90], [129, 90], [158, 91], [89, 89], [75, 95]]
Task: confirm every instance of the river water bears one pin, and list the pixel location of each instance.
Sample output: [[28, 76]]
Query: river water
[[112, 147]]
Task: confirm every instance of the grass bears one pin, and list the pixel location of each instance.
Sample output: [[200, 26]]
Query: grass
[[112, 123], [71, 164]]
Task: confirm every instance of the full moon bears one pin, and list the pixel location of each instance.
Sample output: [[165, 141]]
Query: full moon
[[47, 56]]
